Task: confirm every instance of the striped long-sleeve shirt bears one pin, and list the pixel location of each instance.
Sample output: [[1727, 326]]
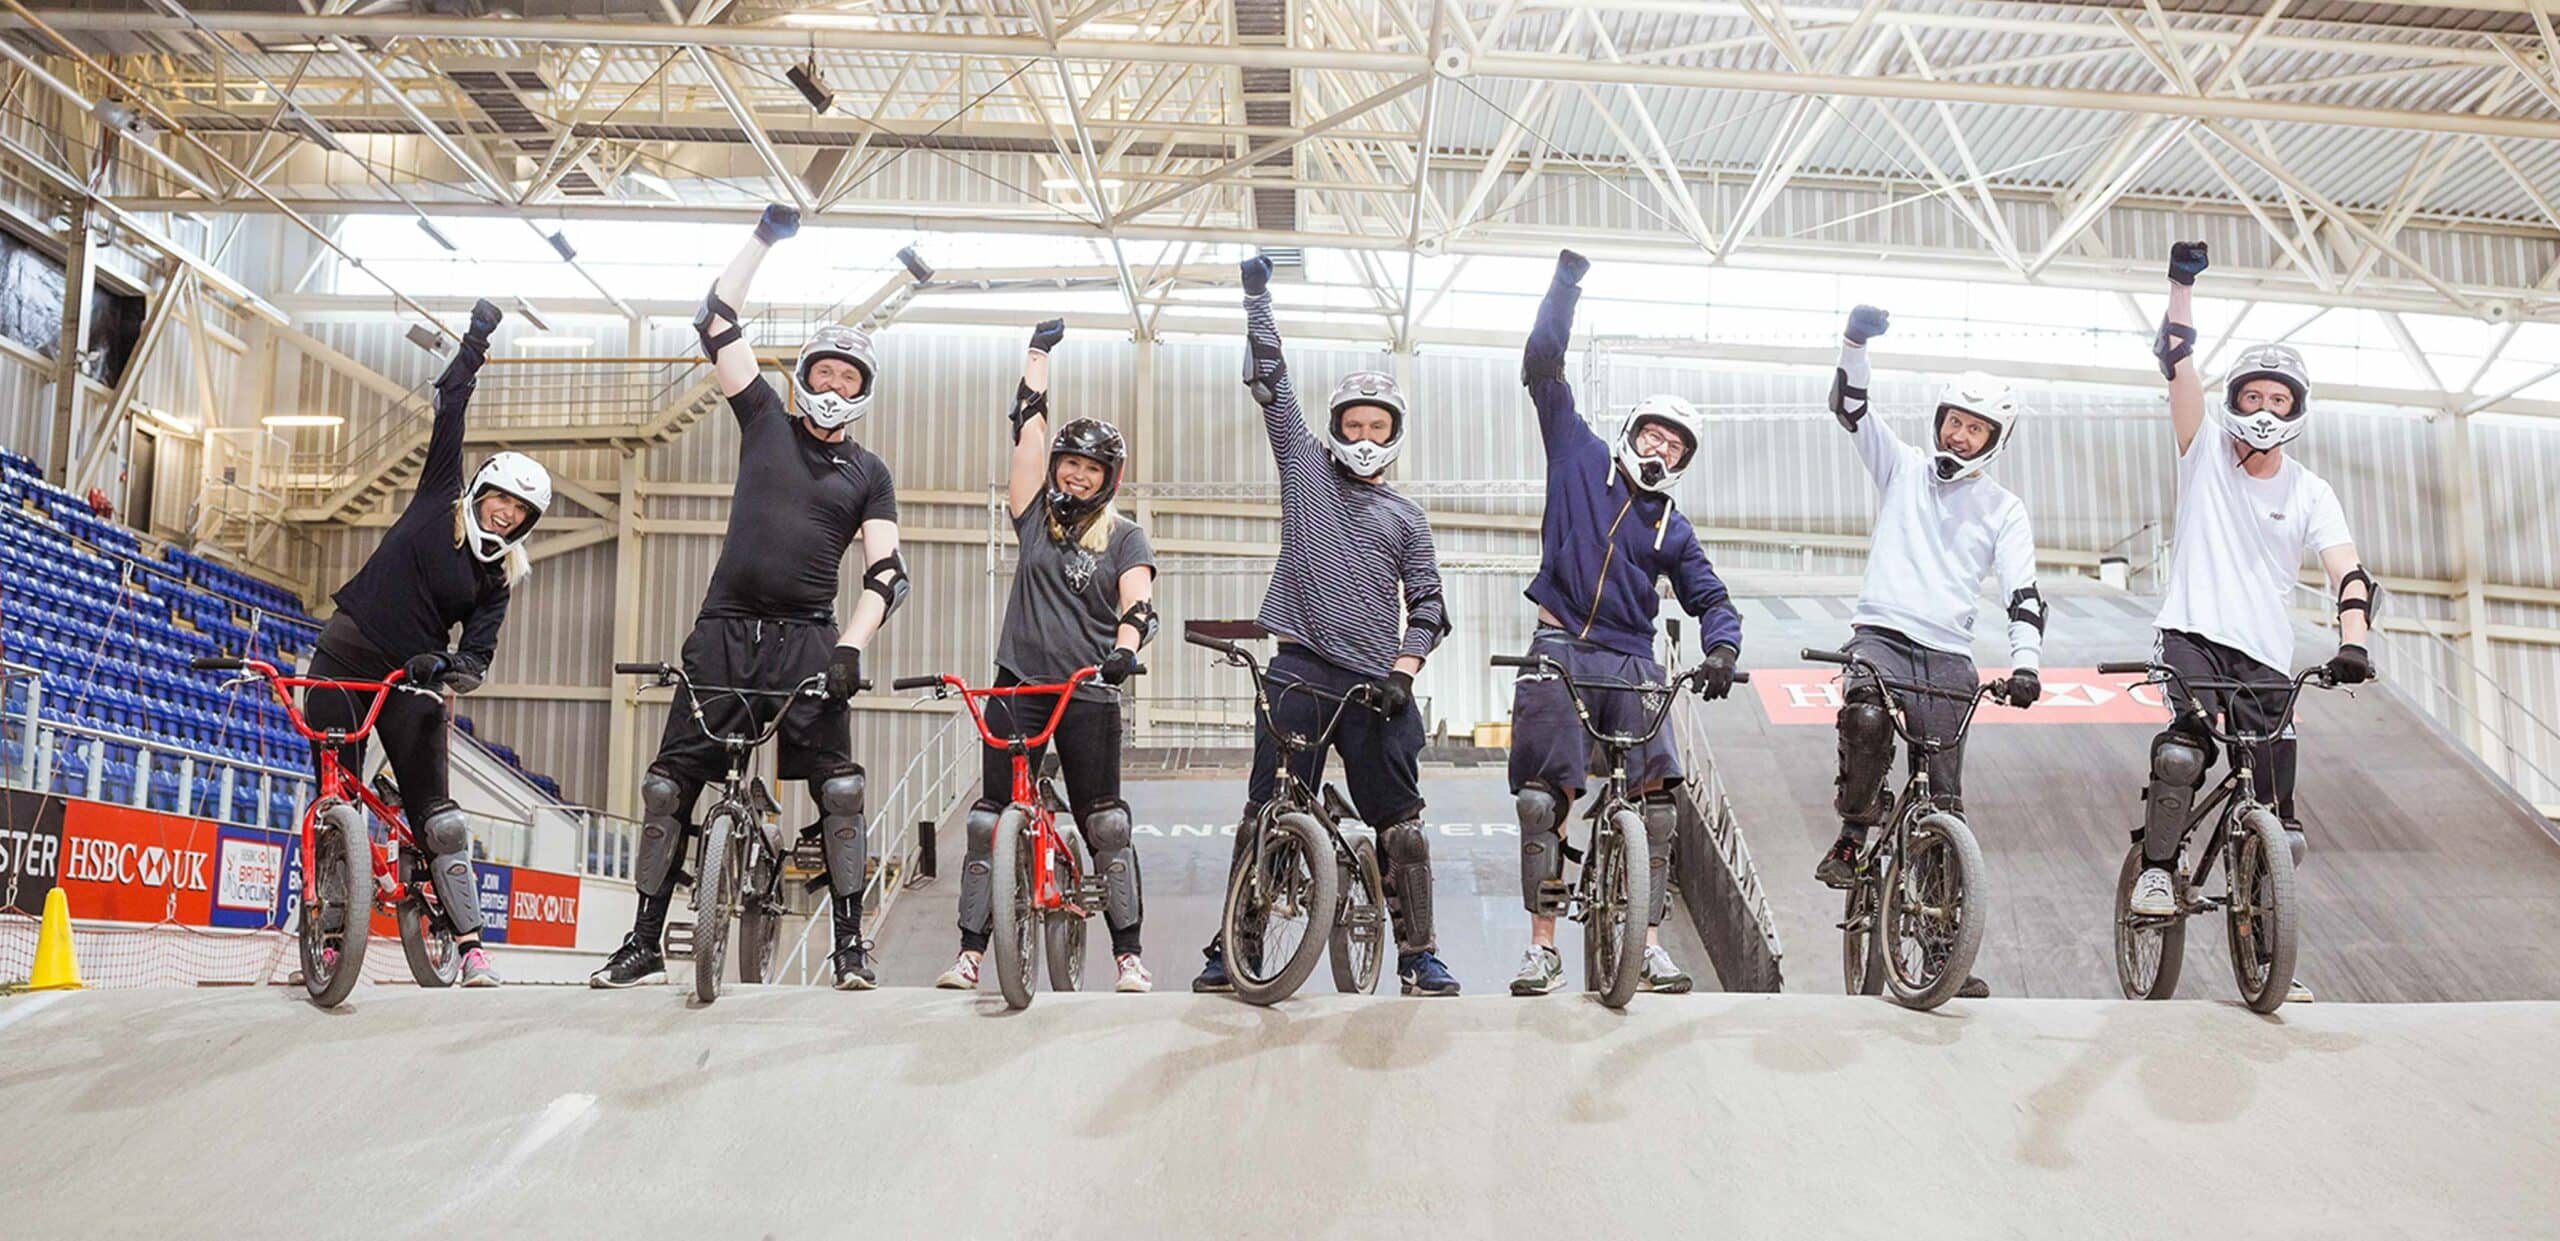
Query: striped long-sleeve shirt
[[1357, 581]]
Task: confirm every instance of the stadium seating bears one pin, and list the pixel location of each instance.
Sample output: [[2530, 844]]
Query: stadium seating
[[107, 627]]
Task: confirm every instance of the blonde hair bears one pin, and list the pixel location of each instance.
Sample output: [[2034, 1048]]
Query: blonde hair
[[1096, 535], [518, 564]]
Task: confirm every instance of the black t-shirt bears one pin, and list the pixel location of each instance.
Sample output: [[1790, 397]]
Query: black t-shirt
[[798, 505], [421, 582]]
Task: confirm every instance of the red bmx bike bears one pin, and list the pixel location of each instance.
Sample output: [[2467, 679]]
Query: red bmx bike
[[1044, 885], [344, 873]]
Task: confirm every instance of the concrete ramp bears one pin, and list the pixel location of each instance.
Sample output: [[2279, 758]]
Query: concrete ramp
[[795, 1112], [2428, 879]]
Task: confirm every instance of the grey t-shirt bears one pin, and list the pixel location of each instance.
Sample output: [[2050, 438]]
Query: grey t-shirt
[[1065, 608]]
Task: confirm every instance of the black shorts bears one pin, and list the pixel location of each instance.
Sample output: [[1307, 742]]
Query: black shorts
[[816, 735], [1381, 759]]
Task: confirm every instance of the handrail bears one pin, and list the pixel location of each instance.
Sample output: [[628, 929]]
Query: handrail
[[925, 782], [2462, 702], [1705, 783]]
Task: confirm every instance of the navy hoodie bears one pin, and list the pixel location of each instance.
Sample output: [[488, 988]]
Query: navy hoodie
[[1603, 542]]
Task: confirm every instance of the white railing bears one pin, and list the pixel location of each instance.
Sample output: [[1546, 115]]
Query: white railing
[[943, 771], [2509, 721]]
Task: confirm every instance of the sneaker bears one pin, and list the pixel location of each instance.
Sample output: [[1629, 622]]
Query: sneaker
[[2154, 896], [853, 969], [2298, 993], [1213, 978], [2301, 843], [476, 970], [1839, 866], [1134, 978], [1541, 972], [1423, 974], [631, 966], [1974, 989], [963, 974], [1660, 975]]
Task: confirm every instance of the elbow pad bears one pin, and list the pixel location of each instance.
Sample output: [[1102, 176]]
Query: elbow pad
[[2172, 345], [1141, 616], [2027, 604], [1027, 405], [714, 308], [1263, 369], [887, 578], [1848, 402], [2372, 592], [1536, 367]]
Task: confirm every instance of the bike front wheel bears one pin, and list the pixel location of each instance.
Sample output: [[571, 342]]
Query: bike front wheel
[[1929, 925], [428, 943], [2149, 951], [1280, 909], [1861, 937], [1612, 926], [1358, 946], [1015, 932], [2262, 911], [715, 898], [337, 906], [759, 918]]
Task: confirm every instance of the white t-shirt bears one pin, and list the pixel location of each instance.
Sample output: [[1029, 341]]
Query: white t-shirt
[[1933, 542], [2240, 543]]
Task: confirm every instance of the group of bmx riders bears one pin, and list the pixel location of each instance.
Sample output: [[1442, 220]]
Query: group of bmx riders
[[1355, 602]]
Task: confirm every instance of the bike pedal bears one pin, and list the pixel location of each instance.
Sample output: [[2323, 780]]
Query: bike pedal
[[1554, 897]]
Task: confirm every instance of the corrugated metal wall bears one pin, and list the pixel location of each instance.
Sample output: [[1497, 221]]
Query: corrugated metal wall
[[2093, 468]]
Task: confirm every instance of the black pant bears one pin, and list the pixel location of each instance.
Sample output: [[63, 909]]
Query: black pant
[[2247, 711], [412, 727], [1088, 745], [816, 737]]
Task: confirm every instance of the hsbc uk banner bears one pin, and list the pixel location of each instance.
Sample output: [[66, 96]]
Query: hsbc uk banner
[[2071, 696]]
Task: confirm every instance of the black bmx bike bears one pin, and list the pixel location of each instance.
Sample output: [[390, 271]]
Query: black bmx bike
[[1610, 895], [1308, 878], [740, 874]]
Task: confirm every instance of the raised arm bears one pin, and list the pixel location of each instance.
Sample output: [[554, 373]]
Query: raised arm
[[2176, 343], [440, 478], [1030, 463], [1879, 448], [1267, 376], [1542, 362], [733, 360]]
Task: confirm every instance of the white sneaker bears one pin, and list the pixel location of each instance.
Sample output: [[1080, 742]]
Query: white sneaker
[[1659, 974], [2154, 896], [2298, 993], [1134, 978], [962, 976]]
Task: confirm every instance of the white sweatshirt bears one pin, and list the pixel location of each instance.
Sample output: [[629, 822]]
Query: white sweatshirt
[[1934, 540]]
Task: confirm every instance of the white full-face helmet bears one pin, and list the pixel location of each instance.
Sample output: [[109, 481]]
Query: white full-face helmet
[[1986, 397], [1670, 412], [1363, 457], [825, 409], [508, 473], [2264, 429]]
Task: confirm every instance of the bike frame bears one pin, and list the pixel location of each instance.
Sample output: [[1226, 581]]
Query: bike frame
[[2237, 792], [335, 782], [1915, 800], [1292, 794], [1046, 847], [740, 747], [1612, 794]]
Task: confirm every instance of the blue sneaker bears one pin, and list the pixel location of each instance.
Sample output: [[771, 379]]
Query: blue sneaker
[[1423, 974], [1213, 978]]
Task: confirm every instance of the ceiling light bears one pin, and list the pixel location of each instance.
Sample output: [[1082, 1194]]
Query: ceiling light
[[284, 422], [560, 242], [166, 420], [428, 227], [833, 21], [915, 265], [805, 79]]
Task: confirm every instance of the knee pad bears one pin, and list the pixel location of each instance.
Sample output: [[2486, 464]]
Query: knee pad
[[1866, 758], [1541, 815], [1661, 830], [977, 870], [1107, 832], [2177, 770], [846, 838], [662, 830], [443, 830], [1408, 851]]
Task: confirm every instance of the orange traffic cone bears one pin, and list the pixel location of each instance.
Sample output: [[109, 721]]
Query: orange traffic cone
[[56, 968]]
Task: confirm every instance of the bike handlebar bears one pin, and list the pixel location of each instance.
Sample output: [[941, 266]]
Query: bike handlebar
[[1574, 686], [812, 686], [945, 685], [1867, 667], [2126, 667], [217, 663], [1220, 645], [907, 683], [645, 669], [2162, 674]]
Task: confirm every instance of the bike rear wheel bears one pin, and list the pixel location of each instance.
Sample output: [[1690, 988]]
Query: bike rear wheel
[[1016, 923], [2149, 951], [1612, 927], [427, 940], [1358, 944], [2261, 912], [1280, 909], [1930, 923], [759, 918], [337, 909], [715, 895]]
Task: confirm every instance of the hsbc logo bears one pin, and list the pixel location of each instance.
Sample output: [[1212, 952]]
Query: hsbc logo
[[545, 907], [150, 866]]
